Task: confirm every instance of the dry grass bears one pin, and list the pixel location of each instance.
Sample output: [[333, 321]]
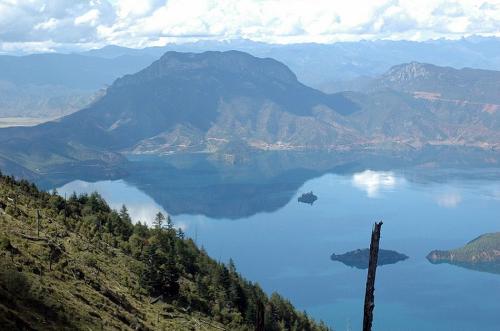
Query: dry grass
[[90, 286]]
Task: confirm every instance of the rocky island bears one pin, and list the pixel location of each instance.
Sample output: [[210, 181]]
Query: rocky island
[[307, 198], [359, 258], [481, 254]]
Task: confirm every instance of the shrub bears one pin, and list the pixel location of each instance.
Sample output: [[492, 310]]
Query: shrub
[[15, 282], [5, 243], [12, 211]]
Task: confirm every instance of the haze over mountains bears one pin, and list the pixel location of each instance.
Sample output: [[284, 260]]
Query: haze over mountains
[[52, 85], [319, 65]]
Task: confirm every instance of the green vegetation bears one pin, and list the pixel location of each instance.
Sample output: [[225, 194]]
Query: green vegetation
[[483, 249], [480, 254], [78, 264]]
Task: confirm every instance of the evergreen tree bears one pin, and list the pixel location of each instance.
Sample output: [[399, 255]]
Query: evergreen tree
[[158, 221], [170, 224], [124, 215]]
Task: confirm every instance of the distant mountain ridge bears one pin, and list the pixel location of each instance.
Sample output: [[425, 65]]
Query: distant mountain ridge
[[319, 64], [230, 103], [418, 103], [50, 85], [70, 70], [473, 85]]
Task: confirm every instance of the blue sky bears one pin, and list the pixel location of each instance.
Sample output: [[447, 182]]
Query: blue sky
[[35, 25]]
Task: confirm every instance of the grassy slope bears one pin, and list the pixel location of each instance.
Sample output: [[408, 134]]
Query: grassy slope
[[92, 284]]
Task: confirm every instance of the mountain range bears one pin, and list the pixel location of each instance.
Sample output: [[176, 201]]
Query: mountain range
[[232, 103], [46, 86], [319, 65]]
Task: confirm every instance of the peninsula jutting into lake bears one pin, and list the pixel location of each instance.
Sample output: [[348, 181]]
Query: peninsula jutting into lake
[[480, 254]]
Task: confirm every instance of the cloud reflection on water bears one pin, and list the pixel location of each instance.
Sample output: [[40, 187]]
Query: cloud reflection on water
[[449, 199], [117, 193], [373, 182]]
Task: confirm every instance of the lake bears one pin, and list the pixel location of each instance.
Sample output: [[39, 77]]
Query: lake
[[253, 217]]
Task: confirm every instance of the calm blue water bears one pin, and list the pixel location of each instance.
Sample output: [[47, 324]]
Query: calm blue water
[[288, 250]]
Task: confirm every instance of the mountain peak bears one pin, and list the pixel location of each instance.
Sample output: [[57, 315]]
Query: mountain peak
[[409, 71], [205, 93], [233, 62], [461, 85]]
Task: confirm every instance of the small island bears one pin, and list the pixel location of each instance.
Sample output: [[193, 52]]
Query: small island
[[359, 258], [308, 198], [481, 254]]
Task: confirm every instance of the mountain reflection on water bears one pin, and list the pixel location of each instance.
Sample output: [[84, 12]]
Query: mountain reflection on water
[[489, 267], [199, 185]]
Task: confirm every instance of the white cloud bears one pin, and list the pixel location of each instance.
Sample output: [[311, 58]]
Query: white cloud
[[134, 8], [89, 18], [372, 182], [49, 24], [66, 23]]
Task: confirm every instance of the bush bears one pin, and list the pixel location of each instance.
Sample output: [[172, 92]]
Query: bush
[[90, 260], [12, 211], [5, 243], [15, 282]]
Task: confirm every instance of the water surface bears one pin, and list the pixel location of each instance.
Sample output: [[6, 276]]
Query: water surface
[[285, 245]]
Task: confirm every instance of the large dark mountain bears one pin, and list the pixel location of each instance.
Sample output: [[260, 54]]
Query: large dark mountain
[[183, 101], [191, 92], [230, 103]]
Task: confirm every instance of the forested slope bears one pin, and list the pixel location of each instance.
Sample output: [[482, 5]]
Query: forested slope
[[77, 264]]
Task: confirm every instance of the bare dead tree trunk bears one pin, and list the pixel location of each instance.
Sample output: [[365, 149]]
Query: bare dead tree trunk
[[370, 279]]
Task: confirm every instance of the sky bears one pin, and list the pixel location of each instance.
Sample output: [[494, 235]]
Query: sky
[[44, 26]]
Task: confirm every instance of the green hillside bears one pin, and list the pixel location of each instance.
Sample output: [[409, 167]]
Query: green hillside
[[84, 266], [483, 249]]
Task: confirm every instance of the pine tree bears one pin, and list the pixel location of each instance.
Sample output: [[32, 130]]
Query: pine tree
[[158, 221], [170, 224], [124, 215]]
